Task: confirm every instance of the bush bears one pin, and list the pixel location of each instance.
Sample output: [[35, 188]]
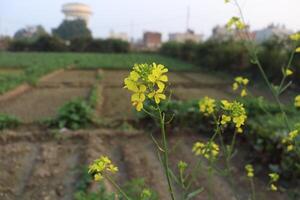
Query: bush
[[107, 46], [233, 57], [7, 121], [47, 43], [44, 43], [74, 115]]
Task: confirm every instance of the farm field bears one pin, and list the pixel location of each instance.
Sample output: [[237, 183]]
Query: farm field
[[39, 163]]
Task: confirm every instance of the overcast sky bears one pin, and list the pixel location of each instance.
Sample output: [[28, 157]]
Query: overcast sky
[[136, 16]]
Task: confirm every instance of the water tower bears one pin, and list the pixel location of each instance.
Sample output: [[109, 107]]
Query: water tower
[[75, 11]]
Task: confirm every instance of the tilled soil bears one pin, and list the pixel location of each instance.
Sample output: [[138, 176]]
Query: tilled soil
[[39, 165], [44, 100], [41, 103]]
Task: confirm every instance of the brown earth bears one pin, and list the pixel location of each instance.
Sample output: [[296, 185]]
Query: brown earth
[[44, 100]]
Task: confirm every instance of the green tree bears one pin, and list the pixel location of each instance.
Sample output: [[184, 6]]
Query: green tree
[[69, 30], [30, 33]]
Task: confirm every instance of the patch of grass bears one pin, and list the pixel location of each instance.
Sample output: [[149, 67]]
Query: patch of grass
[[73, 115], [36, 65], [7, 121]]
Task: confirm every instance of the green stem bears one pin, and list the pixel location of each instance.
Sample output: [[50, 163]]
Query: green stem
[[253, 189], [165, 154], [254, 55], [117, 187]]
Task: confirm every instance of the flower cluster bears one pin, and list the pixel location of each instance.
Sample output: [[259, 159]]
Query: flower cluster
[[274, 177], [146, 81], [250, 171], [289, 140], [101, 166], [235, 22], [146, 194], [207, 105], [297, 101], [210, 150], [295, 37], [235, 112], [240, 82]]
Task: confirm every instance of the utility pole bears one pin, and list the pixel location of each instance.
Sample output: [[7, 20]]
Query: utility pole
[[188, 18]]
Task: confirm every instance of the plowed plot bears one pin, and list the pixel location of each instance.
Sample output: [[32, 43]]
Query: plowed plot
[[116, 103], [41, 170], [181, 93], [35, 166], [40, 103], [74, 76], [114, 77], [205, 79]]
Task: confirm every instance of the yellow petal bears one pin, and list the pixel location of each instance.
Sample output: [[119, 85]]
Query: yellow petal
[[151, 78], [297, 50], [161, 86], [151, 94], [139, 106], [163, 78]]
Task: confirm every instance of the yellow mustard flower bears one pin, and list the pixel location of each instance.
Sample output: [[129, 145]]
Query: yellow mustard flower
[[249, 170], [297, 50], [137, 101], [157, 76], [146, 194], [243, 93], [235, 86], [288, 72], [295, 37], [157, 95], [101, 166], [225, 119], [239, 130], [207, 105], [240, 82], [290, 147], [210, 150], [146, 81], [297, 101], [235, 22], [273, 187], [274, 177]]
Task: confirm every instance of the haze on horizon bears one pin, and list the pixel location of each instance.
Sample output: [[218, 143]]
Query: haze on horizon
[[135, 16]]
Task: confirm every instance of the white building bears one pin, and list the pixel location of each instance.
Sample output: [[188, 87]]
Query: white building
[[119, 36], [184, 37], [75, 11], [270, 31]]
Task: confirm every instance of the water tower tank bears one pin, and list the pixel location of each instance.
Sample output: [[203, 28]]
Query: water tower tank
[[74, 11]]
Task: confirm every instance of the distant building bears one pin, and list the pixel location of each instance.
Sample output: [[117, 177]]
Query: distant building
[[152, 40], [184, 37], [119, 36], [279, 31], [75, 11], [221, 33]]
